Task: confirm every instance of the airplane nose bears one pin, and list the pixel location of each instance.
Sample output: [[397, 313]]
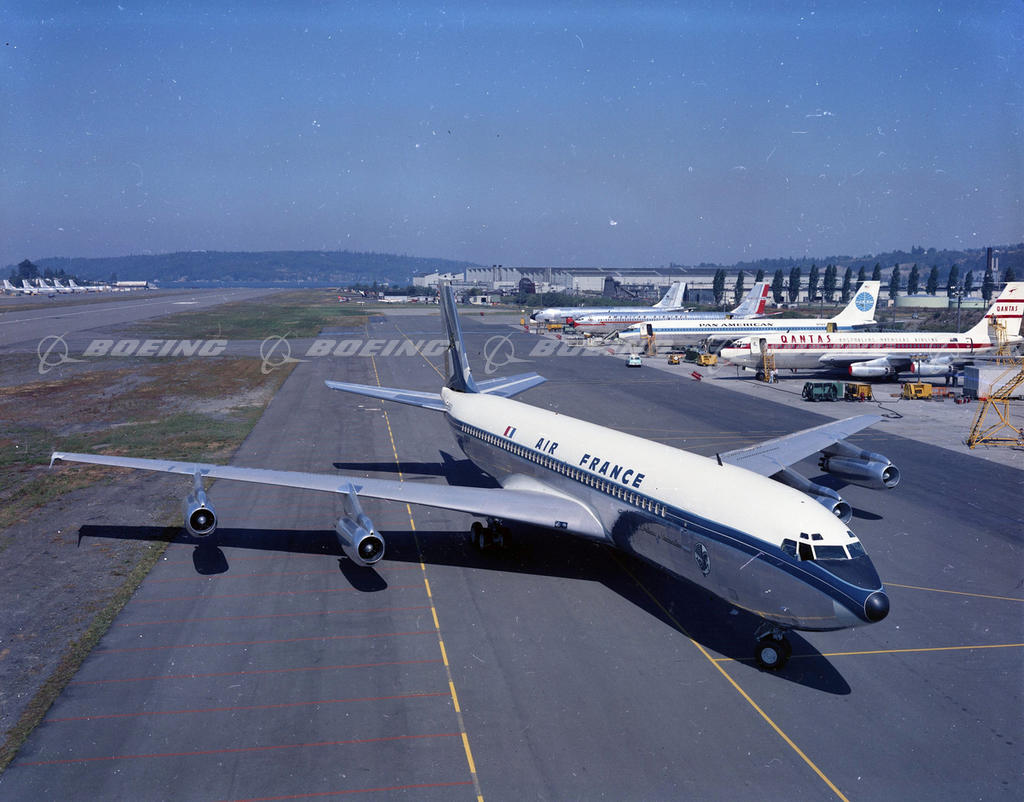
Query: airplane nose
[[876, 606]]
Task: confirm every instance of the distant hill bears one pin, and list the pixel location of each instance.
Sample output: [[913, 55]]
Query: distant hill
[[284, 267], [350, 267]]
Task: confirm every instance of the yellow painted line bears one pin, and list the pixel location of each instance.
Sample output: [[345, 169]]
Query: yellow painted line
[[469, 757], [743, 693], [433, 610], [436, 369], [955, 592]]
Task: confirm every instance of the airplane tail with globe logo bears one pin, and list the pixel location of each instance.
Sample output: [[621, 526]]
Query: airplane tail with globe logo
[[861, 309]]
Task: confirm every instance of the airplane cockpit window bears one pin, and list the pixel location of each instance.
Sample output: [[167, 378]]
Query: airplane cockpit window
[[830, 552], [805, 552], [789, 547], [856, 549]]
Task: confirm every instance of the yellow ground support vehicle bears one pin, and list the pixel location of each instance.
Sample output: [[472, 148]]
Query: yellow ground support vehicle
[[857, 392], [707, 360], [674, 359], [922, 390]]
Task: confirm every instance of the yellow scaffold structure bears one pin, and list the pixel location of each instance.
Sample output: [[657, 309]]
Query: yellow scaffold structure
[[767, 365], [1001, 432]]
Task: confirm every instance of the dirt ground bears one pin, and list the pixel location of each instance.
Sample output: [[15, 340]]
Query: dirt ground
[[57, 591]]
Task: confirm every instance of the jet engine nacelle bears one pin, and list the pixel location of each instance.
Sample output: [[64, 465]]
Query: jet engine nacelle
[[200, 519], [871, 370], [859, 467], [359, 540], [932, 368], [825, 496], [356, 534]]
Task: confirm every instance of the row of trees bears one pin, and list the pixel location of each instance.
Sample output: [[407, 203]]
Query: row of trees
[[829, 283]]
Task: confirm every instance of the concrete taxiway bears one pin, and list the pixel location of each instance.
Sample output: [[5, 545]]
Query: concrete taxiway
[[258, 665]]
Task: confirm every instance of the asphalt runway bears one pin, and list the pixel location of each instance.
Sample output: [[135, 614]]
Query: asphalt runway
[[74, 313], [259, 665]]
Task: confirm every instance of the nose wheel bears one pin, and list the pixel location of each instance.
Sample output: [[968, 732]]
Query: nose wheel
[[773, 650]]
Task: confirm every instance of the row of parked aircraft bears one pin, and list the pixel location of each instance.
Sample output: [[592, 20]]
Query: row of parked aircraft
[[797, 566], [43, 287], [744, 336]]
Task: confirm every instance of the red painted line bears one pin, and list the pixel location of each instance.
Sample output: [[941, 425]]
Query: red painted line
[[252, 671], [238, 749], [273, 615], [267, 593], [259, 642], [354, 791], [249, 707]]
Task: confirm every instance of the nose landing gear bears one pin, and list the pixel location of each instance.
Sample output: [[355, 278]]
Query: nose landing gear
[[773, 650]]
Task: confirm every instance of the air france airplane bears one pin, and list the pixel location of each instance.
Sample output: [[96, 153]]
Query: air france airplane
[[858, 313], [673, 299], [762, 545], [878, 354], [24, 290], [608, 322]]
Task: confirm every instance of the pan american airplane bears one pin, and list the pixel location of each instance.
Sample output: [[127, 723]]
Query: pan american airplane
[[877, 354], [858, 313], [784, 553]]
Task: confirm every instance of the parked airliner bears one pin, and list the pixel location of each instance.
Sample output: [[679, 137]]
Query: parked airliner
[[609, 322], [673, 299], [762, 545], [877, 354], [860, 312]]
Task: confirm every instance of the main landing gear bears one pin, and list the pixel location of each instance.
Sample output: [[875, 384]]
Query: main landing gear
[[773, 650], [490, 536]]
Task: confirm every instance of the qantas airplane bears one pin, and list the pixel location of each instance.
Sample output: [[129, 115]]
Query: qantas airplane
[[876, 354], [673, 299], [858, 313], [608, 322], [782, 554]]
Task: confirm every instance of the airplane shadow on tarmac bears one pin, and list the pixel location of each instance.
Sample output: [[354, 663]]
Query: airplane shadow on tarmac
[[677, 603]]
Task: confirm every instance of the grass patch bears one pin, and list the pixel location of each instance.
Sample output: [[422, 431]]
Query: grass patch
[[78, 650], [302, 313]]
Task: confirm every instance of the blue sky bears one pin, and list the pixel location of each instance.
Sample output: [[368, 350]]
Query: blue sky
[[546, 134]]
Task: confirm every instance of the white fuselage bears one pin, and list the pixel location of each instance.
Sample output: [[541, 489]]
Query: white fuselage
[[681, 332], [610, 322], [818, 350], [673, 506], [559, 314]]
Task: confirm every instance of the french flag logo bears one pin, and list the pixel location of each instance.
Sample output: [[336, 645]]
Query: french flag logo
[[510, 431]]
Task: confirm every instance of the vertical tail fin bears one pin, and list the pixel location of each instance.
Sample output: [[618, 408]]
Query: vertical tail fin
[[861, 309], [753, 302], [1007, 310], [461, 379], [673, 299]]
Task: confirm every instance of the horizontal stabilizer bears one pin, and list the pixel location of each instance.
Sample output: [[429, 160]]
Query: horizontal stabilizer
[[510, 385], [526, 506], [415, 398]]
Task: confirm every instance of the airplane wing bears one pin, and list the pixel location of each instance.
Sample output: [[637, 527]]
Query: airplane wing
[[526, 506], [851, 357], [771, 456]]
